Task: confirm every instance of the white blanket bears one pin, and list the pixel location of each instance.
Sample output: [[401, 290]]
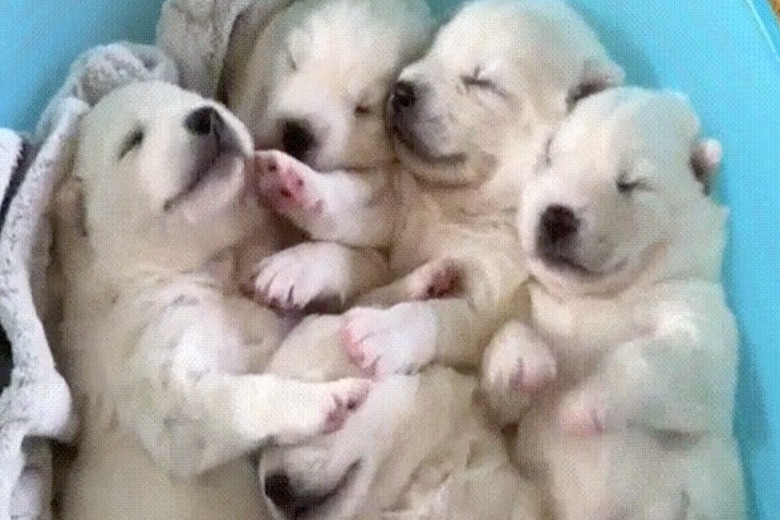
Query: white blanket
[[36, 404]]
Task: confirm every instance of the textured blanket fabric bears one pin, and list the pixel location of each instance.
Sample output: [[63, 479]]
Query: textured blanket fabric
[[36, 404], [196, 34]]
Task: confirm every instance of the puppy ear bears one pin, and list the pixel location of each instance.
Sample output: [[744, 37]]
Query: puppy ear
[[596, 75], [706, 156], [69, 206]]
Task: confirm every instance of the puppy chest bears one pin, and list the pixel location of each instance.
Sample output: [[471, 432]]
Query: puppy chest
[[427, 235], [581, 331]]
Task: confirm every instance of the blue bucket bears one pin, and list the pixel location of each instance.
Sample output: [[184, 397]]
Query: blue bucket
[[723, 53]]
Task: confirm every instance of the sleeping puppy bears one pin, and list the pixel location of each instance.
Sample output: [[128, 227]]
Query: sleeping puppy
[[313, 82], [420, 447], [631, 343], [166, 362], [470, 121]]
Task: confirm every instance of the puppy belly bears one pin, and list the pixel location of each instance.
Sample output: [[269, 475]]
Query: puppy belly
[[630, 475], [117, 480]]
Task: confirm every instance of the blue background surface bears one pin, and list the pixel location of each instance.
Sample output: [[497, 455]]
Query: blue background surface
[[723, 53]]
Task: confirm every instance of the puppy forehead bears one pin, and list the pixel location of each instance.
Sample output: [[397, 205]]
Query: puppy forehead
[[526, 32], [629, 121], [139, 102]]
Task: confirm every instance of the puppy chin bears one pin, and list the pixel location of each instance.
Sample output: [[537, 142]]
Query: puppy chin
[[222, 193]]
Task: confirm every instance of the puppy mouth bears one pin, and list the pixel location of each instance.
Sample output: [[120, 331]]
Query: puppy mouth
[[407, 139], [217, 159], [566, 261]]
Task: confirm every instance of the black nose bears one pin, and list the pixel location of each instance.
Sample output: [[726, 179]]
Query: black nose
[[558, 223], [279, 490], [404, 96], [298, 139], [204, 121]]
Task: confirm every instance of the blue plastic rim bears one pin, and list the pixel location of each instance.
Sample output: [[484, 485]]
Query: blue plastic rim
[[723, 53]]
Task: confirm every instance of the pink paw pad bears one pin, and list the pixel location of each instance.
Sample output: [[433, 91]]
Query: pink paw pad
[[530, 379], [585, 422], [282, 184]]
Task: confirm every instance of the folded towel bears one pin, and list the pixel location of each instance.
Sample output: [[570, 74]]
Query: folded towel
[[36, 404], [196, 34]]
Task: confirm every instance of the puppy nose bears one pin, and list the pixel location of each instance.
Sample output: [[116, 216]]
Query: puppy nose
[[279, 490], [404, 96], [559, 223], [204, 121], [297, 138]]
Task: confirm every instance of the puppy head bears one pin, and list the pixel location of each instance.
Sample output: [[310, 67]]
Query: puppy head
[[498, 72], [622, 199], [162, 173], [390, 446], [319, 76]]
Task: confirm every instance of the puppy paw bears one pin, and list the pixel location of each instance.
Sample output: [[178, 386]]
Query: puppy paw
[[282, 182], [321, 408], [517, 360], [389, 341], [584, 415], [439, 279], [515, 364], [347, 397], [291, 280]]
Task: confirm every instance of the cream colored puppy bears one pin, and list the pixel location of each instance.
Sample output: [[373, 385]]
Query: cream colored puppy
[[628, 312], [166, 362], [420, 447], [470, 121], [313, 82]]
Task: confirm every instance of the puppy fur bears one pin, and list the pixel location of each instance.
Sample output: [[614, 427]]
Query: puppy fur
[[421, 447], [630, 355], [165, 361], [313, 83], [469, 120]]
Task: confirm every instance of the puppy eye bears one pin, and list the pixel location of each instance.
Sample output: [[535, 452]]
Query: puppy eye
[[626, 186], [477, 80], [363, 110], [291, 62], [547, 160], [133, 140]]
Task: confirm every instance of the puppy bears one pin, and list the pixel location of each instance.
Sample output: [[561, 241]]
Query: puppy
[[631, 347], [420, 447], [165, 361], [470, 121], [313, 82]]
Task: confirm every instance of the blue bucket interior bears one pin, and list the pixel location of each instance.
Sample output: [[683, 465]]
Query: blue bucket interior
[[723, 53]]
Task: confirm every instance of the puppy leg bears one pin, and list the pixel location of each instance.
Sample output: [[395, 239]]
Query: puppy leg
[[436, 279], [195, 424], [516, 363], [316, 272], [452, 331], [660, 384], [352, 208]]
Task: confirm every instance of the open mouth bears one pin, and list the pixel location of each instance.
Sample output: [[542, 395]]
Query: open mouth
[[220, 167]]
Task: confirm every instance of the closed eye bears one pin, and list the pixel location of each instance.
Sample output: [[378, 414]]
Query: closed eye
[[627, 186], [133, 140], [363, 110], [479, 81]]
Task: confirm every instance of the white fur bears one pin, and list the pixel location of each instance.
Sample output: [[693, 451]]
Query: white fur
[[330, 65], [419, 448], [165, 360], [636, 420], [458, 202]]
